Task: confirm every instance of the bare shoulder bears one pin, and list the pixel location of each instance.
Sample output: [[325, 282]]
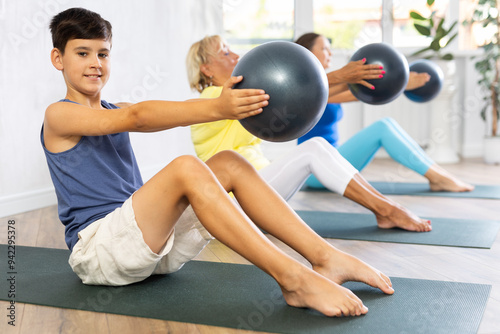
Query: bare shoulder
[[123, 104], [55, 109]]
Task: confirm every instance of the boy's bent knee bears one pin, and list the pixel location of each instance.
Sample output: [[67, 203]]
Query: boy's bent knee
[[228, 155], [188, 165], [230, 159]]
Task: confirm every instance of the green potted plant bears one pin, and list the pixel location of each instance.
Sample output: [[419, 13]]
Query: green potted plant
[[439, 34], [486, 14], [434, 28]]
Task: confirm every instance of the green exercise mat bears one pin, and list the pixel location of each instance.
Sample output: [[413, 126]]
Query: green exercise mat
[[242, 296], [445, 231], [422, 189]]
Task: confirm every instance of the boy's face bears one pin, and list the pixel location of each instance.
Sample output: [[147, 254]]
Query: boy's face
[[85, 65]]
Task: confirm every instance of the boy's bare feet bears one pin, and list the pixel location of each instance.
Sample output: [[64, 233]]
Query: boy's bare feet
[[341, 267], [441, 180], [303, 287]]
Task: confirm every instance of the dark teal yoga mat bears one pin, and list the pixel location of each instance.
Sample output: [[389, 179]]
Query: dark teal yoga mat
[[445, 231], [422, 189], [242, 296]]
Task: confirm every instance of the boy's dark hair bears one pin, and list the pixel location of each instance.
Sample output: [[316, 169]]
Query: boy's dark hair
[[78, 23]]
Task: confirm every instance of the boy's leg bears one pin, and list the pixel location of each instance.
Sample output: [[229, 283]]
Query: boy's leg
[[159, 203], [271, 213]]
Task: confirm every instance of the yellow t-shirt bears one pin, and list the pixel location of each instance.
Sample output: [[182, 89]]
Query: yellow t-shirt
[[211, 138]]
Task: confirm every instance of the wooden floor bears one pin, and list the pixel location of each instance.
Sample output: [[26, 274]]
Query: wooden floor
[[42, 228]]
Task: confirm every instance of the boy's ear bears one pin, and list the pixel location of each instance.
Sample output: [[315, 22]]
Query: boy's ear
[[56, 58]]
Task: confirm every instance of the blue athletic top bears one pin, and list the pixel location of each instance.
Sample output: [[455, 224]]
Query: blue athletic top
[[327, 125], [92, 179]]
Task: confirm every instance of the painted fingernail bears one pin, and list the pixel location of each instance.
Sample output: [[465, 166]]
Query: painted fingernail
[[380, 76], [381, 67], [383, 72], [364, 59], [373, 87]]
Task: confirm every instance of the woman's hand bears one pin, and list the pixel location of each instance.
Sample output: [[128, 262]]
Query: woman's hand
[[356, 72], [417, 80], [240, 103]]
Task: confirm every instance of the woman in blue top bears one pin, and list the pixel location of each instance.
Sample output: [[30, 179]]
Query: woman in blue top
[[360, 149]]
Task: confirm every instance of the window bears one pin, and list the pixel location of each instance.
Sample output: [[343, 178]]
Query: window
[[475, 35], [348, 24], [404, 33], [252, 22]]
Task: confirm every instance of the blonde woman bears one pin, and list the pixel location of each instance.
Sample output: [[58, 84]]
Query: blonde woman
[[210, 63]]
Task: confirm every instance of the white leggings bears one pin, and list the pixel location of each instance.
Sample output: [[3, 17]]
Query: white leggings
[[288, 173]]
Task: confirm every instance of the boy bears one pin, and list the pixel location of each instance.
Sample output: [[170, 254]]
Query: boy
[[121, 231]]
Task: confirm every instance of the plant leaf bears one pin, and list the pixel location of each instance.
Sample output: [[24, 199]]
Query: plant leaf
[[451, 28], [435, 45], [422, 29], [451, 39], [416, 16], [430, 2], [447, 56]]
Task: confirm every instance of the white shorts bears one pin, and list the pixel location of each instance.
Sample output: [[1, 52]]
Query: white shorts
[[112, 251]]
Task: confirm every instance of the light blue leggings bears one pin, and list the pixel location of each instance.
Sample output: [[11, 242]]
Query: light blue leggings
[[360, 149]]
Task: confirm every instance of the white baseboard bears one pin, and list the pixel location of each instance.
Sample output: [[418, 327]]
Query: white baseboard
[[27, 201], [472, 151]]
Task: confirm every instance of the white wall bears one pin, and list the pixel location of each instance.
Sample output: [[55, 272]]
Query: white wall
[[150, 41]]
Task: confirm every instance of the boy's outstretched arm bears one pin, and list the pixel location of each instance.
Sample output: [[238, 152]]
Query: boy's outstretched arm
[[65, 119]]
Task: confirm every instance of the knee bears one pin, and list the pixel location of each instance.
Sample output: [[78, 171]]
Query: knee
[[187, 165], [230, 162], [318, 144], [227, 156], [387, 122]]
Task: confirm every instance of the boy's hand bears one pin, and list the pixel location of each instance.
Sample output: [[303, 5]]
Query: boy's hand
[[240, 103]]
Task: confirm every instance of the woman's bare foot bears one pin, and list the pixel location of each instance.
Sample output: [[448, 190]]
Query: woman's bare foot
[[341, 267], [399, 217], [441, 180], [389, 214], [303, 287]]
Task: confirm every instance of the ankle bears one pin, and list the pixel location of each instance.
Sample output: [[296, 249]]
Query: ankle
[[434, 174], [291, 279], [386, 208]]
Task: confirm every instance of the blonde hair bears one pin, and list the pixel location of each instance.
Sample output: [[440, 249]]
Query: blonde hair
[[199, 54]]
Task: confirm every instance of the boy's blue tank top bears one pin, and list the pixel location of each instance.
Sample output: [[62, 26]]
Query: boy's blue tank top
[[92, 179], [327, 125]]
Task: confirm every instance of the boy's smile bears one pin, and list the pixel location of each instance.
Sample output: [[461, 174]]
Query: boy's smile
[[85, 66]]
